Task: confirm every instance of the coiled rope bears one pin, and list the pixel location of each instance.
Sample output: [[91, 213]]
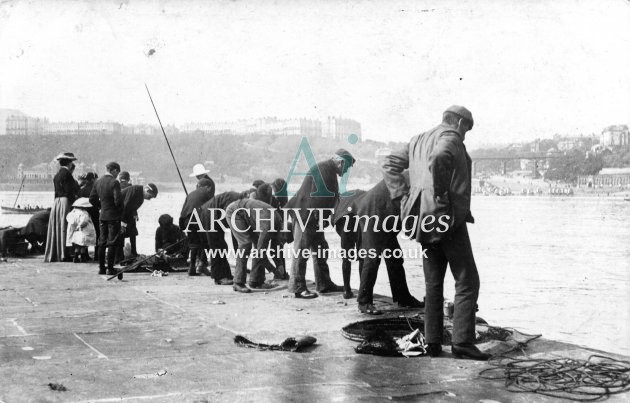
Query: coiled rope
[[567, 378]]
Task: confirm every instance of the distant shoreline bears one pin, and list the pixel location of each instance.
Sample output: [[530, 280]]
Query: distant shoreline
[[162, 186], [173, 187]]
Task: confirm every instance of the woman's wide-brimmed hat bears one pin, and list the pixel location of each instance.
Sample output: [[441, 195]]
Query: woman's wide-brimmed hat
[[198, 169], [82, 202], [66, 156]]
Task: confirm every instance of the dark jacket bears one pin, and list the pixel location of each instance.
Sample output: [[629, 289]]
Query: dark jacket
[[366, 208], [194, 200], [85, 191], [344, 219], [438, 164], [345, 202], [280, 199], [37, 225], [133, 197], [315, 193], [375, 202], [166, 236], [220, 201], [106, 195], [66, 185]]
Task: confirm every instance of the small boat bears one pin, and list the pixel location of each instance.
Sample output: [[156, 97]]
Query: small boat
[[21, 210], [18, 209]]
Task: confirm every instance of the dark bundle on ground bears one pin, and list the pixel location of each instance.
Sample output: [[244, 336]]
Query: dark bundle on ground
[[57, 386], [378, 342], [493, 333], [289, 344], [12, 243]]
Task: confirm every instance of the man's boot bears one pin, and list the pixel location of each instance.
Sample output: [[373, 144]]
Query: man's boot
[[469, 350], [241, 288], [434, 349]]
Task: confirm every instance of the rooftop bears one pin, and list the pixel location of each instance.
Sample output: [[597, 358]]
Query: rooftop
[[615, 171]]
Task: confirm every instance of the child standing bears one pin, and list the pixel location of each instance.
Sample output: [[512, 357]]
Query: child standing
[[81, 232]]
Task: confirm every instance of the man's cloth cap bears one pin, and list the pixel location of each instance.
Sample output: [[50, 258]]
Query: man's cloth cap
[[113, 166], [345, 154], [152, 188], [258, 182], [461, 111]]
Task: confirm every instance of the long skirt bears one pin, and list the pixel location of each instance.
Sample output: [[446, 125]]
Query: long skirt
[[56, 236]]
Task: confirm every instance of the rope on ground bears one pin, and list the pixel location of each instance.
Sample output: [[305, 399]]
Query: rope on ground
[[567, 378]]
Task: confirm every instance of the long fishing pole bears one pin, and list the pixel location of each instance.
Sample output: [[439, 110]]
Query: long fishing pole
[[19, 191], [166, 138]]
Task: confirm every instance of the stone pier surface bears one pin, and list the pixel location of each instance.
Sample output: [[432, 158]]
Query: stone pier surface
[[170, 339]]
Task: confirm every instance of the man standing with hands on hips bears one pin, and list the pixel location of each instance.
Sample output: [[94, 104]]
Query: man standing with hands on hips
[[438, 195]]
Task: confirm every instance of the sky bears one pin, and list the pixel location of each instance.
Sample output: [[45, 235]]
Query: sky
[[525, 69]]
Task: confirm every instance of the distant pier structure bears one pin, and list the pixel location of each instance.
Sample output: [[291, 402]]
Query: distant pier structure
[[607, 177], [46, 171]]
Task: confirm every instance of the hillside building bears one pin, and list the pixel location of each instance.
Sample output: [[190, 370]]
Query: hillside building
[[615, 136], [22, 125], [83, 128], [340, 128]]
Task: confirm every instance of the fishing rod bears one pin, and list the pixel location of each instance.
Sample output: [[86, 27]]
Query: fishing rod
[[167, 143], [20, 190]]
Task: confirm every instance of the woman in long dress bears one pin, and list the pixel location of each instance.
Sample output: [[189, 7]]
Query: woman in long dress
[[66, 191]]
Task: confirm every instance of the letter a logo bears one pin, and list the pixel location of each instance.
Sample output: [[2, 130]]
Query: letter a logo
[[320, 185]]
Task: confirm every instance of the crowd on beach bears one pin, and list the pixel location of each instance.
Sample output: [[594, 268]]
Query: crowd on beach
[[429, 180]]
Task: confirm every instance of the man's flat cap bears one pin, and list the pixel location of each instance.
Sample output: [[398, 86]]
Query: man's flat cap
[[152, 189], [461, 111], [113, 165], [345, 154]]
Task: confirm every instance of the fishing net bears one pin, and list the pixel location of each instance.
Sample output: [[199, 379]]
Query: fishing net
[[395, 327], [374, 335], [597, 377]]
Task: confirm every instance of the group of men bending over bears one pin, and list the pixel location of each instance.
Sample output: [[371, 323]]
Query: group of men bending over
[[430, 179], [257, 222]]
